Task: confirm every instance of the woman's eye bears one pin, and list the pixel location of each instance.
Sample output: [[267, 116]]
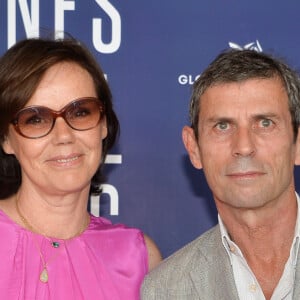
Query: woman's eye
[[34, 120], [81, 113]]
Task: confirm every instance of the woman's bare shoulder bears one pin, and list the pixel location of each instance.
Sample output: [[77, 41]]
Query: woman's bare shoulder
[[154, 255]]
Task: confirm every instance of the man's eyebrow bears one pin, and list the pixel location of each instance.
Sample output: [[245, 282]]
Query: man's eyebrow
[[266, 115], [216, 119], [254, 116]]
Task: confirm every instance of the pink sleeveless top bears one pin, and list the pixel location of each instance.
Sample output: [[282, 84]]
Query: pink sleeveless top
[[105, 262]]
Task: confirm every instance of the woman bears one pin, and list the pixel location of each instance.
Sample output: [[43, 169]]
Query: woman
[[56, 126]]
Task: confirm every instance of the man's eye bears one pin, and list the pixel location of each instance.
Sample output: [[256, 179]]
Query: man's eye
[[222, 126], [266, 123]]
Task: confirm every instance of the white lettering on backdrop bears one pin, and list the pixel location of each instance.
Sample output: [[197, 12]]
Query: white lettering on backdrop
[[30, 15]]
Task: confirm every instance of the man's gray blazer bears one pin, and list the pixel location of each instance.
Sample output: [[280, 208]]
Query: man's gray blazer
[[200, 270]]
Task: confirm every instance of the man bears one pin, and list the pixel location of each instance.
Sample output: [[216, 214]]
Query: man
[[245, 114]]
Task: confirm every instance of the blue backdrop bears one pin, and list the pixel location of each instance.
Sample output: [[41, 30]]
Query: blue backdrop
[[152, 51]]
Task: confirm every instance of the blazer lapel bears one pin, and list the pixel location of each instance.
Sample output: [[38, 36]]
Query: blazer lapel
[[212, 274]]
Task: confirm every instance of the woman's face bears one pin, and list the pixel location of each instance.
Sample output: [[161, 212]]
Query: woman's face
[[65, 160]]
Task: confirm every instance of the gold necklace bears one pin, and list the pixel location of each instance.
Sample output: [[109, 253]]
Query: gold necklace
[[44, 275]]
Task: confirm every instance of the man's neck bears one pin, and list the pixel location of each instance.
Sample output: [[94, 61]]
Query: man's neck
[[264, 235]]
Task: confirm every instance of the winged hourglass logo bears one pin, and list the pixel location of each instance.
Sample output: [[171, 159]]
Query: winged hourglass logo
[[250, 46]]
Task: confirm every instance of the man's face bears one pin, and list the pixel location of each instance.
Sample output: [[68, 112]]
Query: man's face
[[246, 145]]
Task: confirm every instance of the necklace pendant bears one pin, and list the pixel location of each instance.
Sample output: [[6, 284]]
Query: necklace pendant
[[44, 276], [55, 244]]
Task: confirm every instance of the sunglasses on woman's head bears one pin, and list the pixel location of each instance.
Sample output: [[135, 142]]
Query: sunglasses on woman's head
[[37, 121]]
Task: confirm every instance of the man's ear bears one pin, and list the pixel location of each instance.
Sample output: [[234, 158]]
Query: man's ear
[[192, 147], [297, 154]]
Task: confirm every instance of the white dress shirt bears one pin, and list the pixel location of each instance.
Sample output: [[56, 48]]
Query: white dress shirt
[[247, 285]]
